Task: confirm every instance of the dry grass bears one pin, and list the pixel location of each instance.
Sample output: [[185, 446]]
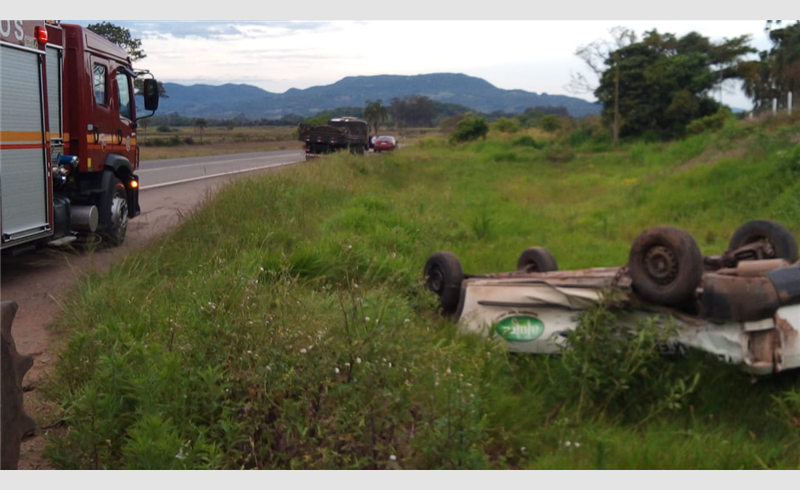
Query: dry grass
[[218, 141]]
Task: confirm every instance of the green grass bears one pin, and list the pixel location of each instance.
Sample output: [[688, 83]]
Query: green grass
[[284, 325]]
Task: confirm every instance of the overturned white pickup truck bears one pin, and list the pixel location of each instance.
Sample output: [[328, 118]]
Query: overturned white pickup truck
[[742, 306]]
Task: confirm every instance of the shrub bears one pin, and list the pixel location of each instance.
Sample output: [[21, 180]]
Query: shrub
[[506, 125], [550, 123], [164, 129], [527, 141], [620, 367], [714, 122], [469, 129]]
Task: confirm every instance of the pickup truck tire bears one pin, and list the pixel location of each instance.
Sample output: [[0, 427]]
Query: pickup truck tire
[[665, 265], [781, 239], [536, 259], [443, 276], [114, 213]]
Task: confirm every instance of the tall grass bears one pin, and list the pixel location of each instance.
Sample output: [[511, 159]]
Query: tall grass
[[284, 325]]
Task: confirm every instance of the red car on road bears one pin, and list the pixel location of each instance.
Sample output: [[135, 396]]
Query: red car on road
[[385, 143]]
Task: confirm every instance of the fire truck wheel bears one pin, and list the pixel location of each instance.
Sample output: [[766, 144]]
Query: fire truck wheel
[[665, 265], [537, 259], [115, 213], [781, 239], [443, 276]]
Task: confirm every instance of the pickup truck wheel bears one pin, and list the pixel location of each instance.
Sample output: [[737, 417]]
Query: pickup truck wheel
[[665, 265], [783, 243], [443, 276], [114, 213], [536, 259]]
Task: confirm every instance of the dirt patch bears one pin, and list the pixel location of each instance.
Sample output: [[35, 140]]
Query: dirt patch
[[712, 156]]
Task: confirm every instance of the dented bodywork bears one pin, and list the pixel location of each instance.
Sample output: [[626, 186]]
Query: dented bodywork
[[745, 315]]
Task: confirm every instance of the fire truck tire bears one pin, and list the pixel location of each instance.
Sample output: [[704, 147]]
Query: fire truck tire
[[114, 213], [443, 276], [777, 235], [665, 265], [537, 259]]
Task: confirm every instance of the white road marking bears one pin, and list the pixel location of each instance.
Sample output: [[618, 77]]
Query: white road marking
[[183, 181], [218, 162]]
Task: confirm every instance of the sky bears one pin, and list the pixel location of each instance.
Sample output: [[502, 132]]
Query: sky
[[363, 37], [536, 56]]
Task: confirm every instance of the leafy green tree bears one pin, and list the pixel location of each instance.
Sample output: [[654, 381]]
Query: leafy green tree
[[121, 36], [777, 72], [507, 125], [664, 82], [470, 128], [550, 123], [599, 57], [375, 113], [416, 111]]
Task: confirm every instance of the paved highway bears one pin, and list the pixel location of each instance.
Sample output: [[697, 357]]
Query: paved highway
[[160, 173]]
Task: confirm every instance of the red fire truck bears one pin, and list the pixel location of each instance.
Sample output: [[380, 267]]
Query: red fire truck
[[68, 152]]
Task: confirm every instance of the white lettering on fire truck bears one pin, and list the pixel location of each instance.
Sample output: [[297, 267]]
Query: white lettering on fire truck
[[6, 26]]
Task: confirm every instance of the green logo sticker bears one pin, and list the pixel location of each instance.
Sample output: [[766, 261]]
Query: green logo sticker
[[520, 328]]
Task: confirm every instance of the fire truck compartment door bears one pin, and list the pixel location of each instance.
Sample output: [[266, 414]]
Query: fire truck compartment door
[[23, 161]]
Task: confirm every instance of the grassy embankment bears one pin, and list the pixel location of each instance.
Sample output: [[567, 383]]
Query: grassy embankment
[[284, 325]]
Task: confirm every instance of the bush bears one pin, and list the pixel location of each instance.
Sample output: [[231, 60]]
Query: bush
[[714, 122], [506, 125], [527, 141], [164, 129], [469, 129], [550, 123], [620, 367]]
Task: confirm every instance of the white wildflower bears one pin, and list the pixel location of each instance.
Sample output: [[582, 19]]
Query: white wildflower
[[392, 458], [303, 351], [366, 318], [567, 444], [577, 444], [358, 360], [180, 455], [336, 370]]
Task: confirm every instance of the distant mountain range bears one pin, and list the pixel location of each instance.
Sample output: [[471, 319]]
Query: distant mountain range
[[228, 101]]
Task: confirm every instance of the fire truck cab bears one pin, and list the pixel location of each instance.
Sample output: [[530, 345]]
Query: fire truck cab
[[68, 152]]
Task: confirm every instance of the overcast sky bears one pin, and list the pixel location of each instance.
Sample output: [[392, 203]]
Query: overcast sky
[[536, 56]]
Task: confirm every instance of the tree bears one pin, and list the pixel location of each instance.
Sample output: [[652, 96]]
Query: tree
[[599, 56], [375, 113], [777, 72], [661, 83], [550, 123], [121, 36], [470, 128], [201, 124], [414, 111]]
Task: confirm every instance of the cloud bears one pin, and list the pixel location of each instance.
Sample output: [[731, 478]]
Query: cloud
[[214, 29]]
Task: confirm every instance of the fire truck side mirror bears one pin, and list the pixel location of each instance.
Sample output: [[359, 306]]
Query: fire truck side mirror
[[150, 94]]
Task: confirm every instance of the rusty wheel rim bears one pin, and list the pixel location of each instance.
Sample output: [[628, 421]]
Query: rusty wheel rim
[[661, 265]]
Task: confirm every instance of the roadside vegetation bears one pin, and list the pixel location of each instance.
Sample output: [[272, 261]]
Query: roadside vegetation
[[285, 324], [164, 142]]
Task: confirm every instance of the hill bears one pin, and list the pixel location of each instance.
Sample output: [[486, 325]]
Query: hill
[[230, 100]]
